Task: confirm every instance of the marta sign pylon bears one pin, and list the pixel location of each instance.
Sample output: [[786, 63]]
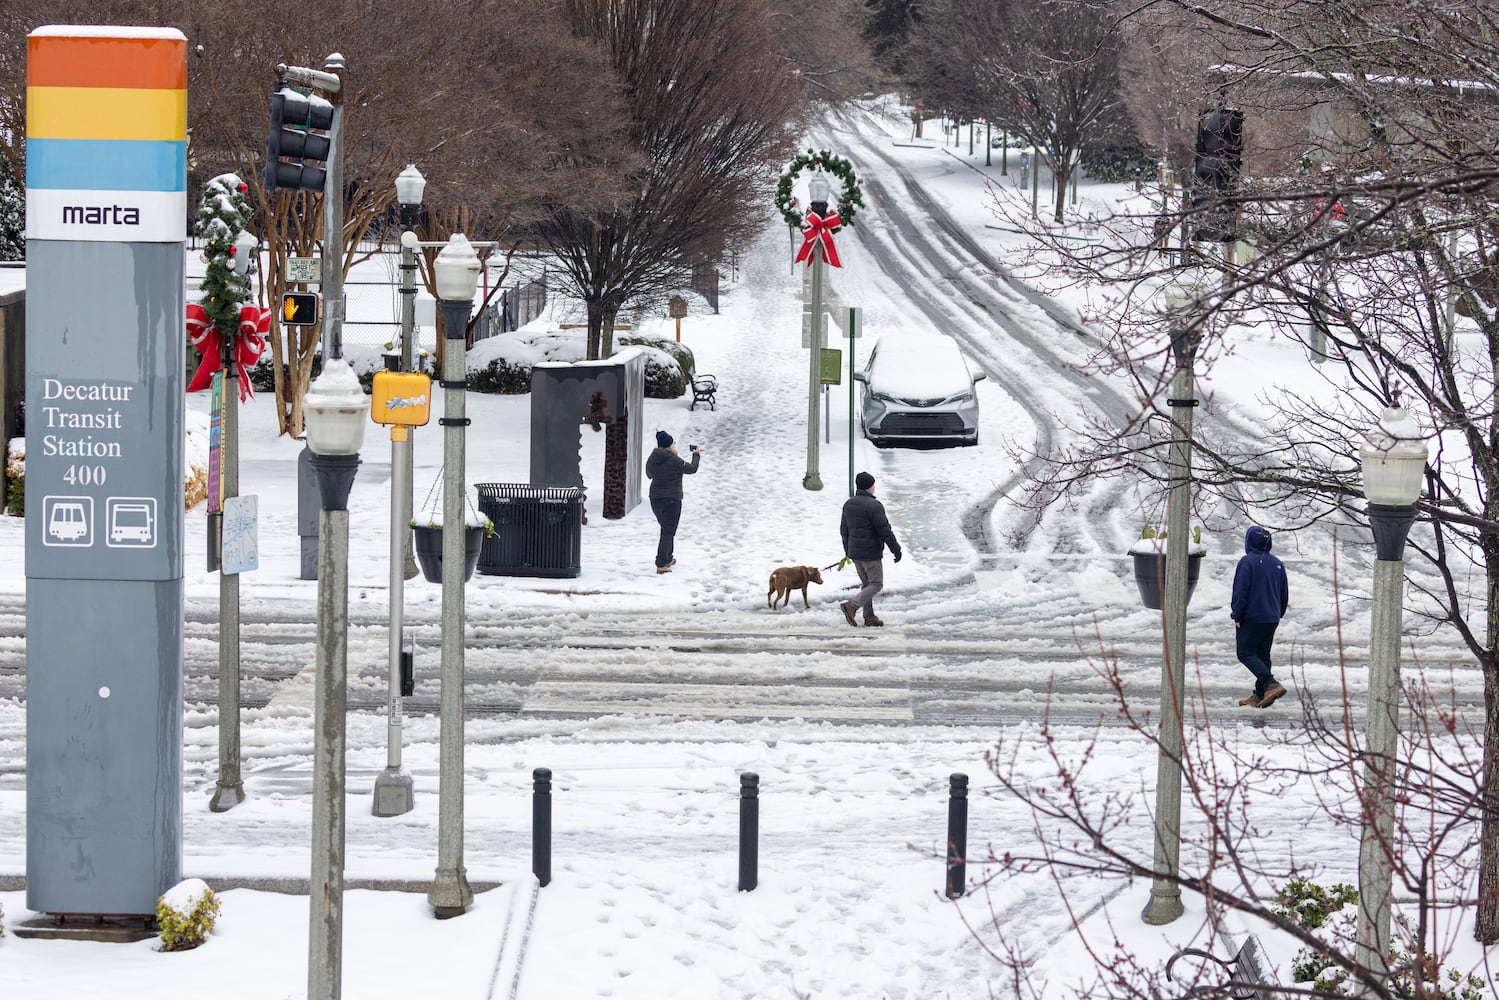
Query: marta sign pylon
[[106, 224]]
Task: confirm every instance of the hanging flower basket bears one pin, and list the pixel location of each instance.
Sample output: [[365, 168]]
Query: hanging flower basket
[[1149, 554], [426, 534], [427, 544]]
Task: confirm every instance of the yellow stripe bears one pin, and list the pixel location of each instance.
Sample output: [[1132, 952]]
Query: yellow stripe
[[106, 113]]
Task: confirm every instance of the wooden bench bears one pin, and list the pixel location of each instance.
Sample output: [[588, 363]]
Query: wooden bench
[[1249, 975], [704, 390]]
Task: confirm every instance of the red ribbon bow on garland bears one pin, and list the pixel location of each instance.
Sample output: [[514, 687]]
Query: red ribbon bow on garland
[[250, 342], [819, 230]]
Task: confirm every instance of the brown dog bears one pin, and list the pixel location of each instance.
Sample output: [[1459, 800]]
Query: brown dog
[[787, 578]]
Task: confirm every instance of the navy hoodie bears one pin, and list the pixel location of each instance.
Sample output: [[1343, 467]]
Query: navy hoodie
[[1261, 593]]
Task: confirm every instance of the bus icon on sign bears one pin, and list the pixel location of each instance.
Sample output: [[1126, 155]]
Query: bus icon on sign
[[68, 521], [132, 522]]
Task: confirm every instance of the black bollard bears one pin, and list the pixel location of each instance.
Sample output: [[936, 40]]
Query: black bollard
[[749, 831], [541, 825], [957, 833]]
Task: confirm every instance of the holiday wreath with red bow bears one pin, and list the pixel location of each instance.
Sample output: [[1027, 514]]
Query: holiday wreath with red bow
[[818, 228]]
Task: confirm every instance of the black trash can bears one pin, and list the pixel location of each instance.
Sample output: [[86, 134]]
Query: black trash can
[[538, 530]]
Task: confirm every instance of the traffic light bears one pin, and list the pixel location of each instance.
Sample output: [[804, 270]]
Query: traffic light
[[1215, 171], [1220, 148], [300, 308], [296, 121]]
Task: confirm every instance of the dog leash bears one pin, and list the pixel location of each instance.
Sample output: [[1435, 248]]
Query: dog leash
[[837, 565]]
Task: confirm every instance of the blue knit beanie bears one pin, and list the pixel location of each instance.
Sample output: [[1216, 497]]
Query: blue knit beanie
[[663, 439]]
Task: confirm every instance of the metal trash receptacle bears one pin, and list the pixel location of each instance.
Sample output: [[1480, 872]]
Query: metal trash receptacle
[[538, 530]]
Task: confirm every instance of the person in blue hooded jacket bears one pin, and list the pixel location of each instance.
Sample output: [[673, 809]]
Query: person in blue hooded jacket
[[1260, 597]]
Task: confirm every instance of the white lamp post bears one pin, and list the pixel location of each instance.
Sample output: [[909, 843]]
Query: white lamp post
[[335, 410], [818, 190], [229, 789], [394, 794], [1393, 461], [410, 186], [457, 272], [1183, 315]]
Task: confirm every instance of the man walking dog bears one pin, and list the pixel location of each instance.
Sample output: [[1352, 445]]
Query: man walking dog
[[866, 532]]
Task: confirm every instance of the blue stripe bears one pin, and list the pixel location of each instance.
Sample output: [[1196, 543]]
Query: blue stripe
[[106, 164]]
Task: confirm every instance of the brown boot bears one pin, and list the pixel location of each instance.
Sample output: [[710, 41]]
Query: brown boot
[[848, 612], [1272, 693], [871, 621]]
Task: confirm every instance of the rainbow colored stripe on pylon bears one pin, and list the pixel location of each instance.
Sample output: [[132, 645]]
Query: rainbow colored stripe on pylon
[[106, 134]]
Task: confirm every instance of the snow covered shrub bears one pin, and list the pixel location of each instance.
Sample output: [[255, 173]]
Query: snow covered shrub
[[1335, 910], [263, 376], [195, 449], [1305, 902], [664, 378], [15, 477], [500, 376], [194, 488], [661, 380], [186, 915]]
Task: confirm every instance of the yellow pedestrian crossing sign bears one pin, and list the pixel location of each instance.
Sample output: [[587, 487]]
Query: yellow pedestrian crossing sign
[[300, 308]]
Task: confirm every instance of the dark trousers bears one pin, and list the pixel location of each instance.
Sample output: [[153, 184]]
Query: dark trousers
[[668, 515], [1254, 640]]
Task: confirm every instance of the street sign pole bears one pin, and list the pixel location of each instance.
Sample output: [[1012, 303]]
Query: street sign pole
[[851, 333]]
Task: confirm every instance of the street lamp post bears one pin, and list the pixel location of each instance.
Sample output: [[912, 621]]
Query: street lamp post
[[818, 190], [410, 186], [1393, 461], [229, 789], [335, 410], [394, 793], [457, 272], [1184, 314]]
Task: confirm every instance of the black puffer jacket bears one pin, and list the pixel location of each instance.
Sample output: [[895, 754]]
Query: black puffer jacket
[[665, 471], [865, 529]]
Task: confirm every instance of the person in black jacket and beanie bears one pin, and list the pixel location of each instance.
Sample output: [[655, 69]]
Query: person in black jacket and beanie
[[665, 469], [866, 532]]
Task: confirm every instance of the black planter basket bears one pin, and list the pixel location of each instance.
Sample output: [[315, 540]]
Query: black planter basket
[[427, 545], [1150, 576]]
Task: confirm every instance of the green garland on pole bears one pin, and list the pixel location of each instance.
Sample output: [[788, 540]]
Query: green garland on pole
[[849, 199]]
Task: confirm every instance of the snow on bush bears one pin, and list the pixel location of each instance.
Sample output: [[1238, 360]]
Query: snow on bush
[[186, 915], [15, 477]]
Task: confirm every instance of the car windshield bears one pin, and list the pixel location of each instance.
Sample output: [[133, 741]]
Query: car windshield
[[919, 369]]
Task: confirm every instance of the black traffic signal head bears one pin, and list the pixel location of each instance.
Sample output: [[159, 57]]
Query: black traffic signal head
[[1220, 148], [1215, 172], [296, 121]]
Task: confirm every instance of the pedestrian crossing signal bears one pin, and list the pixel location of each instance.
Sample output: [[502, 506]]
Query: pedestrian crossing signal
[[300, 308]]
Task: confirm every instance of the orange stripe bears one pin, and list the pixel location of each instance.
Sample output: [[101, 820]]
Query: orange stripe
[[72, 61]]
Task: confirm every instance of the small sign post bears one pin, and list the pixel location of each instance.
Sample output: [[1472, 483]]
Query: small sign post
[[241, 549], [676, 308], [303, 270], [831, 371]]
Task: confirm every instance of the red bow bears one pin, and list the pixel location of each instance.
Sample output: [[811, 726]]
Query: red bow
[[819, 230], [249, 344]]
